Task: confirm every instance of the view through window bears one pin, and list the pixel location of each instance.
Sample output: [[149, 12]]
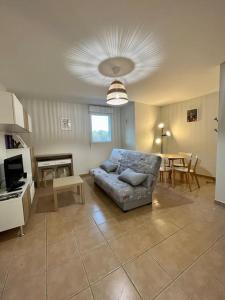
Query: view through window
[[101, 128]]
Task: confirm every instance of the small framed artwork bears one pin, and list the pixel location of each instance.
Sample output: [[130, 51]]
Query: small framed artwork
[[66, 124], [192, 115]]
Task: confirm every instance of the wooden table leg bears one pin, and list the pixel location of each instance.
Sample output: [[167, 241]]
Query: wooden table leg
[[82, 193], [74, 193], [55, 201]]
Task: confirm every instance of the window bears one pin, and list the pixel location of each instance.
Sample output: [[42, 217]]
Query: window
[[101, 128]]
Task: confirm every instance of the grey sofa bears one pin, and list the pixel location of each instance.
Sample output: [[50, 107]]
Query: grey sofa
[[126, 196]]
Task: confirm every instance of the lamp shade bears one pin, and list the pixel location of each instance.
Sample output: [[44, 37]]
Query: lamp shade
[[161, 125], [117, 94], [158, 141]]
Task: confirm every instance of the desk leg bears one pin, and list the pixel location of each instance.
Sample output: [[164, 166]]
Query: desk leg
[[74, 193], [173, 177], [55, 201]]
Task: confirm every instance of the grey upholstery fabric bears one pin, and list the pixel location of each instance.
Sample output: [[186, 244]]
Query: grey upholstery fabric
[[132, 177], [125, 195], [109, 166]]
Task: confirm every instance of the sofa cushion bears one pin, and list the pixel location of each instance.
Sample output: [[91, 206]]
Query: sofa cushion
[[132, 177], [116, 155], [109, 166], [120, 190], [96, 171], [140, 162]]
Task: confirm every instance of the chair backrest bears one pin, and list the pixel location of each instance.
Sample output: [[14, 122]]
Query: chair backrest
[[187, 157], [185, 154], [165, 162], [194, 163]]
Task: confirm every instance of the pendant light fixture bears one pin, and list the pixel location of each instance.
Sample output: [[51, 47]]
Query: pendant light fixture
[[117, 94]]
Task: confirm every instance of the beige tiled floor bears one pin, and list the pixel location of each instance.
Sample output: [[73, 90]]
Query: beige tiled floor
[[173, 249]]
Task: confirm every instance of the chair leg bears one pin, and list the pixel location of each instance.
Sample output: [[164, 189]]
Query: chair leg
[[196, 178], [44, 179], [165, 177], [189, 182], [173, 178], [170, 177], [186, 178], [181, 177]]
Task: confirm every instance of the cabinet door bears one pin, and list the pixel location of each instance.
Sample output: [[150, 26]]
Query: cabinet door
[[6, 111], [18, 112], [26, 204]]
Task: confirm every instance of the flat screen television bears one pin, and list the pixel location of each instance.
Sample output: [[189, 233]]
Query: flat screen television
[[13, 167]]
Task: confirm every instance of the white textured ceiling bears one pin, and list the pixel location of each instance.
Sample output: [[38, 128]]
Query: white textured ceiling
[[35, 36]]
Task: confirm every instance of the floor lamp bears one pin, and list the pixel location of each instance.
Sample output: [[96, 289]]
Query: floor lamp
[[164, 133]]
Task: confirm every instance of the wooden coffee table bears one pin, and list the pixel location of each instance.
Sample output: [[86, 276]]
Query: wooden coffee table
[[63, 184]]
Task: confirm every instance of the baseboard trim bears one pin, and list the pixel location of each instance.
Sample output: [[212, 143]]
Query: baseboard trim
[[84, 175], [207, 177], [219, 203], [199, 175]]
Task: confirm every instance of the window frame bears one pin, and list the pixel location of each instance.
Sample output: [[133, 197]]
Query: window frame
[[110, 128]]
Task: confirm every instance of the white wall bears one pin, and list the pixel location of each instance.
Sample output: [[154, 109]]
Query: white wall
[[47, 136], [220, 169], [128, 126], [196, 137], [146, 120]]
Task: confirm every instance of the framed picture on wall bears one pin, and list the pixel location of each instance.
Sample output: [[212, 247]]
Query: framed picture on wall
[[66, 124], [192, 115]]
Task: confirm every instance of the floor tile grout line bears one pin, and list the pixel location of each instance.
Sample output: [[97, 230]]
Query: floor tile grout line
[[134, 258], [117, 259], [142, 253], [136, 288], [81, 257], [111, 250], [188, 267], [6, 277], [84, 269], [4, 286], [125, 271], [107, 242]]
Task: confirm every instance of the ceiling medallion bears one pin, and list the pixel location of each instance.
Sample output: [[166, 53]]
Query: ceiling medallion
[[116, 66], [134, 51]]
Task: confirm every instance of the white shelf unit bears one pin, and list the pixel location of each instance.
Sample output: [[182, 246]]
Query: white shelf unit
[[15, 212], [27, 167], [13, 117]]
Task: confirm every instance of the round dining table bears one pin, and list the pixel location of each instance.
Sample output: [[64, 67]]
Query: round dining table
[[172, 157]]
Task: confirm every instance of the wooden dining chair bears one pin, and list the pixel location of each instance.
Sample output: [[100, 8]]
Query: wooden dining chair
[[183, 162], [189, 172], [165, 169]]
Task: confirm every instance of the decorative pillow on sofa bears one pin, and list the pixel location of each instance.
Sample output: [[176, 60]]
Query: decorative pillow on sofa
[[109, 166], [132, 177]]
